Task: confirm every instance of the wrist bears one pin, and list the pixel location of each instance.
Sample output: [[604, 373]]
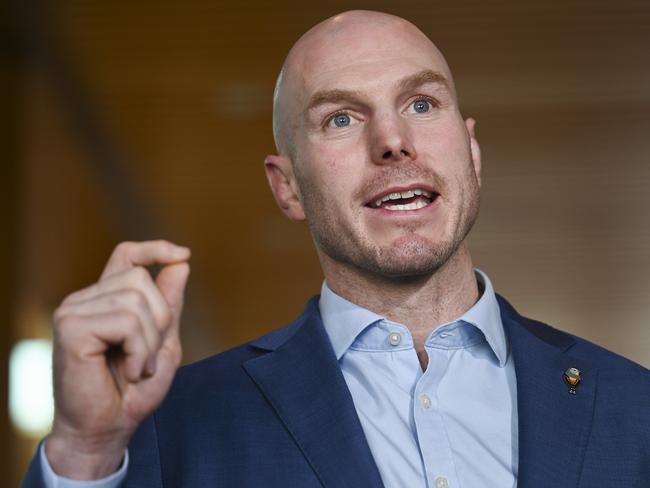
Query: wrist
[[81, 458]]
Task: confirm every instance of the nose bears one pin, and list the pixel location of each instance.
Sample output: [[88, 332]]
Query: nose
[[391, 141]]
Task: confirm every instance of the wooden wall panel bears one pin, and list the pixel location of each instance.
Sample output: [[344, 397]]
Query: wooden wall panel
[[560, 91]]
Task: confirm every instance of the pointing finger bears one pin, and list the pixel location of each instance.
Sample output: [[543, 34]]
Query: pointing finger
[[130, 254]]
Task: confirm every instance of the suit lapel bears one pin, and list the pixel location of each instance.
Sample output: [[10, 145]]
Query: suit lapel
[[554, 425], [302, 381]]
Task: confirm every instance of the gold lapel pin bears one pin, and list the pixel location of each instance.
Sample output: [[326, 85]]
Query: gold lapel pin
[[572, 377]]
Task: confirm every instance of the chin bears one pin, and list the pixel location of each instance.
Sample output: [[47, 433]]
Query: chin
[[411, 258]]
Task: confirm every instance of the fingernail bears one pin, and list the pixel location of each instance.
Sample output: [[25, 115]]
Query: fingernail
[[182, 250]]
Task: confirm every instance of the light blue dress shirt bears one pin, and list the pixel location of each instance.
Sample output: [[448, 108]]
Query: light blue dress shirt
[[454, 425]]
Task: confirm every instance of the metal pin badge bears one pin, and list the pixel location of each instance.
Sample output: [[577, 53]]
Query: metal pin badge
[[572, 377]]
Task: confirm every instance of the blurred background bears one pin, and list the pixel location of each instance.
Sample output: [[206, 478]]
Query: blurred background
[[150, 119]]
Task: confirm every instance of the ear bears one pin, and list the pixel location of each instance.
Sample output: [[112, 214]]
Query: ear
[[475, 149], [279, 173]]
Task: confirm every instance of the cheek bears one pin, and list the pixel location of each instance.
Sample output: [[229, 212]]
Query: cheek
[[336, 168], [445, 148]]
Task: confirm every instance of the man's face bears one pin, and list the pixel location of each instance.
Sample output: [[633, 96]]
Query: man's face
[[382, 157]]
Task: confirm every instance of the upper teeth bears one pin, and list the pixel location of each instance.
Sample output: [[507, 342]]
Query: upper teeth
[[403, 194]]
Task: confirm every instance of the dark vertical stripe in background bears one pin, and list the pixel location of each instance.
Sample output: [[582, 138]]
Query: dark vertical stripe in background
[[10, 122]]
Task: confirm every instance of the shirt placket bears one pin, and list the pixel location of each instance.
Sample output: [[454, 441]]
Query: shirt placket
[[429, 423]]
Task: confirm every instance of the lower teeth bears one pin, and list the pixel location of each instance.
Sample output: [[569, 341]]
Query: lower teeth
[[409, 206]]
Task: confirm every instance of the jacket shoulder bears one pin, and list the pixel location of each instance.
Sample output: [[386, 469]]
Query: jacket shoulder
[[576, 346]]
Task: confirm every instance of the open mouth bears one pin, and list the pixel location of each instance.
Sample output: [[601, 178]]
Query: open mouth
[[412, 199]]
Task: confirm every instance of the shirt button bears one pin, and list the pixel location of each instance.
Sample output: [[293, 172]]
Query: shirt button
[[394, 338], [425, 401], [441, 482]]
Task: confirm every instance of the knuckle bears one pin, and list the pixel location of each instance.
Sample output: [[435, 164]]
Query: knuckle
[[135, 298], [140, 276], [59, 313], [65, 330], [124, 247], [165, 315], [131, 321], [132, 326], [71, 297]]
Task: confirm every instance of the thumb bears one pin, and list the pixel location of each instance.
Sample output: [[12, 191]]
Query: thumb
[[171, 282]]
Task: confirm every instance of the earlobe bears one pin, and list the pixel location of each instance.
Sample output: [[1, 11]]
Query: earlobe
[[281, 178], [475, 148]]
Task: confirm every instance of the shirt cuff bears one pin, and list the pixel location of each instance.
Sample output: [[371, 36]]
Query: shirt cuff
[[53, 480]]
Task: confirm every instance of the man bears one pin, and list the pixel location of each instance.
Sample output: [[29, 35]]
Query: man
[[408, 371]]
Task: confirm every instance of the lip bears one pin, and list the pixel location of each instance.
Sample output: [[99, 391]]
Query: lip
[[399, 189], [379, 211]]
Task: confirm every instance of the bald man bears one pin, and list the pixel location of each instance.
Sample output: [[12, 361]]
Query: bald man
[[407, 371]]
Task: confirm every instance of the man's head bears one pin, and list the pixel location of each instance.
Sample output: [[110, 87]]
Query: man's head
[[365, 109]]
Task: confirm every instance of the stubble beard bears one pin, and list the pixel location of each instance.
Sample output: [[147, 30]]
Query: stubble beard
[[412, 256]]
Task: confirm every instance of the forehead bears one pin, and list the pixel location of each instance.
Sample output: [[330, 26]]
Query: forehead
[[361, 58]]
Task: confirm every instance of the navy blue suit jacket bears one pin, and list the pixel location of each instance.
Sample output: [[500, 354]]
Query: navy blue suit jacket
[[276, 412]]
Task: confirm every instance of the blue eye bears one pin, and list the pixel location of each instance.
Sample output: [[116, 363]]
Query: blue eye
[[342, 120], [421, 106]]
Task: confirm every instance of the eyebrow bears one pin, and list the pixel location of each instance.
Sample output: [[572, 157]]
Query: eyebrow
[[333, 96], [423, 77], [410, 82]]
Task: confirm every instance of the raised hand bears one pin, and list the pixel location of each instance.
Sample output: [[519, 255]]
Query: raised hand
[[116, 350]]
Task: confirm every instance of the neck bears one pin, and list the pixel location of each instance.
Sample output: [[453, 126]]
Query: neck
[[420, 303]]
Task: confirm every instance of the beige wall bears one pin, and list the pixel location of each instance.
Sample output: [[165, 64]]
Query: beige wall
[[183, 90]]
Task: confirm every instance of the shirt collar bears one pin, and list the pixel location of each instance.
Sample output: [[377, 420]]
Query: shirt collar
[[344, 320]]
